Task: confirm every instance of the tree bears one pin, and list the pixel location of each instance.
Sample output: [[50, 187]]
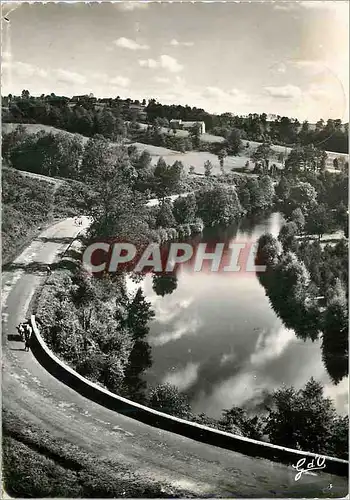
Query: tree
[[269, 250], [301, 419], [164, 284], [335, 334], [267, 191], [318, 221], [208, 167], [262, 155], [283, 188], [167, 178], [97, 155], [167, 399], [195, 135], [165, 216], [303, 195], [185, 209], [221, 157], [287, 234], [236, 421], [342, 218], [218, 205], [139, 313], [13, 140], [299, 219], [234, 141]]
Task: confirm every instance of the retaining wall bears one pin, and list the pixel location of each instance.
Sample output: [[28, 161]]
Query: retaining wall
[[192, 430]]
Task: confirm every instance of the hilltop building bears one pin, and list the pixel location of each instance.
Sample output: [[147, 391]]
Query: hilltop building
[[187, 125]]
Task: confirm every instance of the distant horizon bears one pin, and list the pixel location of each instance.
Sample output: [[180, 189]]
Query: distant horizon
[[291, 59]]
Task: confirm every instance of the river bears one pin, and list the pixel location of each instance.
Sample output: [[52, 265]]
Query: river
[[218, 340]]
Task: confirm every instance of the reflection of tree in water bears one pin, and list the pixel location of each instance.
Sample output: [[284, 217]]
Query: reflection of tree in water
[[292, 300], [164, 284]]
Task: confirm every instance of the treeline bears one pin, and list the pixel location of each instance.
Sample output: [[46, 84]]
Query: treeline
[[332, 135], [302, 419], [86, 118]]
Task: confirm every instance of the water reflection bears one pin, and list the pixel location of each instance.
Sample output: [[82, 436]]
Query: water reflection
[[217, 338]]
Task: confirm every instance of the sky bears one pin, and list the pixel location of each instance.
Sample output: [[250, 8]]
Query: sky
[[290, 59]]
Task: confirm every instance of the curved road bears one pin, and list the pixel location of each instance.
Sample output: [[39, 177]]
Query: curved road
[[151, 453]]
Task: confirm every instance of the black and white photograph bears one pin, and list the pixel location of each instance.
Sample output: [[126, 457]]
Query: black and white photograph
[[175, 249]]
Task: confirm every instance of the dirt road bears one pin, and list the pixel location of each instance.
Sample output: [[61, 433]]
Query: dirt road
[[43, 400]]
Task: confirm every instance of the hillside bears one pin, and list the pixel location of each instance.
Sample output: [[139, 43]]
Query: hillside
[[31, 201], [195, 159]]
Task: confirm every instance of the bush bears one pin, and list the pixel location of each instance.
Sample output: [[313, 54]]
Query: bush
[[167, 399], [197, 226], [184, 230]]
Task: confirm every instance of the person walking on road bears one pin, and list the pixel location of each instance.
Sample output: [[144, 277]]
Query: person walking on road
[[20, 330], [48, 270], [27, 336]]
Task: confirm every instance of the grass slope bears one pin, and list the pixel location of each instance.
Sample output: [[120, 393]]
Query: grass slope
[[38, 465], [31, 202]]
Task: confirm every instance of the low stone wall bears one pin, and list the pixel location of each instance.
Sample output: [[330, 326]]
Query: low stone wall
[[192, 430]]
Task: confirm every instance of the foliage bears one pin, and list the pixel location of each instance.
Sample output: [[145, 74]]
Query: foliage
[[54, 155], [335, 346], [302, 419], [166, 177], [236, 421], [185, 209], [164, 284], [166, 398], [218, 205], [287, 234], [298, 218], [318, 221], [165, 215]]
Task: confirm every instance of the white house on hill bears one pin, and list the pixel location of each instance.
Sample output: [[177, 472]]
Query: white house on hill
[[187, 125]]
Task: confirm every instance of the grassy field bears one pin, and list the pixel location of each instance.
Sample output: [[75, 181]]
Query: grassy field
[[198, 158], [185, 133]]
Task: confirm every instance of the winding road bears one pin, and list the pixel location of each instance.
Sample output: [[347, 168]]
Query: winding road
[[152, 453]]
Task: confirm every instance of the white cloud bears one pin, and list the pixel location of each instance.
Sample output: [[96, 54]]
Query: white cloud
[[176, 43], [24, 70], [129, 6], [183, 378], [188, 328], [148, 63], [161, 79], [166, 62], [226, 358], [66, 76], [284, 91], [270, 345], [127, 43], [170, 63], [120, 81], [214, 92]]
